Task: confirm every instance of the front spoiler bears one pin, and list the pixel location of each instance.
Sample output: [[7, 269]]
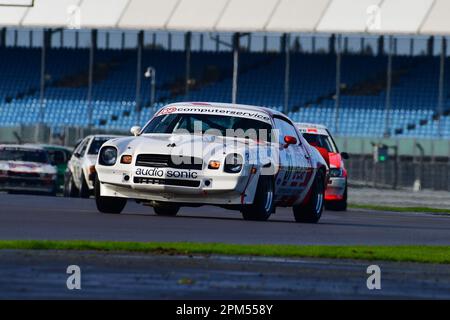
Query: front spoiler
[[7, 186], [172, 194], [214, 187], [335, 189]]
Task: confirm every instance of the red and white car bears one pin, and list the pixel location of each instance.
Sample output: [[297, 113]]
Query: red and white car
[[320, 137], [27, 169]]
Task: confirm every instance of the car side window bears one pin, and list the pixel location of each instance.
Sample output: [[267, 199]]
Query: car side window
[[285, 129], [84, 148], [81, 147], [332, 142], [68, 154]]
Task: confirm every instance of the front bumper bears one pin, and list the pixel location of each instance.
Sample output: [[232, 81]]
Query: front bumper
[[336, 189], [190, 186], [27, 185]]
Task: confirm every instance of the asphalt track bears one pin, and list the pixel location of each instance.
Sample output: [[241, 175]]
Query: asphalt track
[[42, 274], [40, 217]]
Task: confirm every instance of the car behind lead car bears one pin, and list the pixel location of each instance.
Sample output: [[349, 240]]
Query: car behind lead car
[[78, 178], [26, 169], [190, 154], [336, 193]]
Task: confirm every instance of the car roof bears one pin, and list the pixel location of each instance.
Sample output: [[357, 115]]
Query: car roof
[[247, 107], [50, 146], [310, 125], [104, 135], [312, 128], [22, 146]]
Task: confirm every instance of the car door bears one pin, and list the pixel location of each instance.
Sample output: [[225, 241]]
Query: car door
[[289, 182], [77, 161]]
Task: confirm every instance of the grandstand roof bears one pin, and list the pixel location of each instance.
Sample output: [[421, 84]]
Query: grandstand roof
[[362, 16]]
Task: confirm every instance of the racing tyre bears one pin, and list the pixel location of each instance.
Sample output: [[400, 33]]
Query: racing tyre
[[167, 210], [84, 190], [263, 204], [340, 205], [312, 211], [70, 190], [108, 204], [54, 192]]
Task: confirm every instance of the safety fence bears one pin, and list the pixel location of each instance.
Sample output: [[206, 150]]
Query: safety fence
[[405, 172]]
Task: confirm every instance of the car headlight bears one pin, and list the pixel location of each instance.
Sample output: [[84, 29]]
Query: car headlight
[[108, 156], [233, 163], [335, 172]]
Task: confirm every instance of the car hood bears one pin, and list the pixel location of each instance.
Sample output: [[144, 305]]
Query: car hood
[[24, 166], [184, 144]]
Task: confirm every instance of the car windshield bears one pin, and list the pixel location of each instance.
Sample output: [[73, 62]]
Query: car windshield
[[8, 154], [212, 124], [97, 144], [320, 140], [57, 156]]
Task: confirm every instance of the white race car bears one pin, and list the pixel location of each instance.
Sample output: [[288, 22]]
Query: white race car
[[190, 154], [26, 169], [80, 173]]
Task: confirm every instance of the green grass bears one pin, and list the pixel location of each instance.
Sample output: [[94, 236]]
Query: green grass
[[399, 209], [425, 254]]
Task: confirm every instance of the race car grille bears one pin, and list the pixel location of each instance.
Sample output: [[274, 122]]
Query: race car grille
[[165, 160], [167, 182], [23, 174]]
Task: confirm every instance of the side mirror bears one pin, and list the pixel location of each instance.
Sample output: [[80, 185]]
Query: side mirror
[[290, 140], [76, 155], [135, 130], [345, 155]]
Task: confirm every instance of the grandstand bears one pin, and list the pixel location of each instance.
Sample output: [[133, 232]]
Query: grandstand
[[412, 97]]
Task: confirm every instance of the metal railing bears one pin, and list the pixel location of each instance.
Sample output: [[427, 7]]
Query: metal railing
[[406, 172]]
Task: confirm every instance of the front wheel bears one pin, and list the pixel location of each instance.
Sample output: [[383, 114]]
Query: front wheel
[[312, 210], [263, 204], [70, 190], [54, 191], [167, 210], [108, 204], [84, 189]]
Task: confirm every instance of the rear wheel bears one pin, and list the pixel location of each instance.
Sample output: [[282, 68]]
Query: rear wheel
[[70, 190], [84, 189], [263, 204], [168, 210], [108, 204], [312, 211], [340, 205]]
